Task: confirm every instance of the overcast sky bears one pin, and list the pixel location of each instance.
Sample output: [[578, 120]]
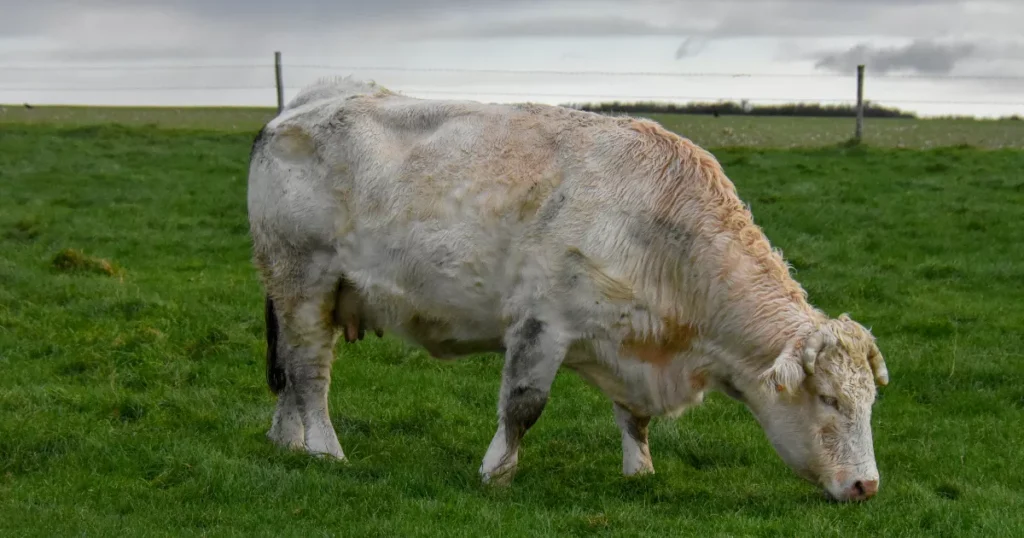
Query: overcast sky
[[911, 48]]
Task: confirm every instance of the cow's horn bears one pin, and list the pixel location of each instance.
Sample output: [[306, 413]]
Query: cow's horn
[[811, 350], [877, 363]]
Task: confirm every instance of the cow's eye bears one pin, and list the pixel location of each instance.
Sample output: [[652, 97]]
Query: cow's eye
[[829, 401]]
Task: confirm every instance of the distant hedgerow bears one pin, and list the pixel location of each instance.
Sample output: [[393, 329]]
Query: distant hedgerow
[[733, 108]]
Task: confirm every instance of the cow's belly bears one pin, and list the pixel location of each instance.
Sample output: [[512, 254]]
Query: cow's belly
[[646, 389], [431, 288]]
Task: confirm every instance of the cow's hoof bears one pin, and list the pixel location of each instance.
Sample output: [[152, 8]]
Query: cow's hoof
[[330, 457], [500, 477], [639, 473], [641, 469], [326, 453], [287, 442]]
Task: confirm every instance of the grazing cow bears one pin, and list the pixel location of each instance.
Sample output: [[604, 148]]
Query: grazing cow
[[559, 238]]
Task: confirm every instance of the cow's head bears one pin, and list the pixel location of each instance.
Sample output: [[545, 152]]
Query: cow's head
[[815, 407]]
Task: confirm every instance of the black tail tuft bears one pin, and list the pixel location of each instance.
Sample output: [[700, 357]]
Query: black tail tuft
[[276, 379]]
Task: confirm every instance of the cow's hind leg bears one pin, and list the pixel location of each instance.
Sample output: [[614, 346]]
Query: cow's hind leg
[[300, 370], [636, 453], [534, 352], [286, 429]]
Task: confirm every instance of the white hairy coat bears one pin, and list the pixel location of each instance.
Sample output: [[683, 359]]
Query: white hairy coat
[[608, 246]]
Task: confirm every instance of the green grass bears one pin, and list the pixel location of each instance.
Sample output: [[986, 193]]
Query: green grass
[[133, 401], [229, 119], [796, 132], [743, 131]]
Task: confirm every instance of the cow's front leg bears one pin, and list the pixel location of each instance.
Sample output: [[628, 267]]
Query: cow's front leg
[[534, 352], [636, 453]]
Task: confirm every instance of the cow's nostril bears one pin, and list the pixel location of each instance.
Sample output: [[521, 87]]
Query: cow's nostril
[[863, 489], [858, 486]]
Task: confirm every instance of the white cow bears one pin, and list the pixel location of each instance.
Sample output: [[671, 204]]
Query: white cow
[[560, 238]]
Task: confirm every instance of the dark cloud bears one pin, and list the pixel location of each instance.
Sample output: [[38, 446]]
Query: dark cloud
[[920, 56], [691, 46], [20, 19], [196, 28], [793, 18], [578, 26], [337, 13], [528, 17]]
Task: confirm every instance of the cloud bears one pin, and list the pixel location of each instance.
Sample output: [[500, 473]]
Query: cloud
[[922, 19], [920, 56], [548, 17], [108, 29], [691, 46], [25, 18], [548, 26], [136, 33]]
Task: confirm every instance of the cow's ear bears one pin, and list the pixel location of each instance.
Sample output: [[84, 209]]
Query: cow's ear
[[786, 373]]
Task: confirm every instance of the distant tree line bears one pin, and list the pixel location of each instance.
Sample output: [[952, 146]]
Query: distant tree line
[[744, 108]]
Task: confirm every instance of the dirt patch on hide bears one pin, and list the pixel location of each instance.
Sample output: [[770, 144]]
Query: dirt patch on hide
[[660, 351]]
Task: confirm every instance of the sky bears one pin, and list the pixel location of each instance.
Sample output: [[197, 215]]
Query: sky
[[933, 57]]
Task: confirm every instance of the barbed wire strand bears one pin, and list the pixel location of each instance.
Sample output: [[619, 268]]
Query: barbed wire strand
[[535, 72], [71, 68], [651, 73], [576, 96], [131, 88]]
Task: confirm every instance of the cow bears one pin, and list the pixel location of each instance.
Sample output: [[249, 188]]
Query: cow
[[560, 239]]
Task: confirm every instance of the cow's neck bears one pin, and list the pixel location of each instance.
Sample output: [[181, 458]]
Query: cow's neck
[[739, 353], [734, 287], [757, 311]]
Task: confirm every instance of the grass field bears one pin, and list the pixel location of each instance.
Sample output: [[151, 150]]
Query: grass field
[[133, 400], [724, 131]]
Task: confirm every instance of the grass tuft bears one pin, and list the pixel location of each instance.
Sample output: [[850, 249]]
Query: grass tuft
[[71, 260]]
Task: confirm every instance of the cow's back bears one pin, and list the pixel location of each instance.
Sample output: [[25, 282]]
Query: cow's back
[[456, 161]]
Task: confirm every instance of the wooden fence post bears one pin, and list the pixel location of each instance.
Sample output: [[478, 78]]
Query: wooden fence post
[[280, 85], [860, 103]]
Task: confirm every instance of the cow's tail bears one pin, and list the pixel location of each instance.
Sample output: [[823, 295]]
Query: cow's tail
[[276, 379]]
